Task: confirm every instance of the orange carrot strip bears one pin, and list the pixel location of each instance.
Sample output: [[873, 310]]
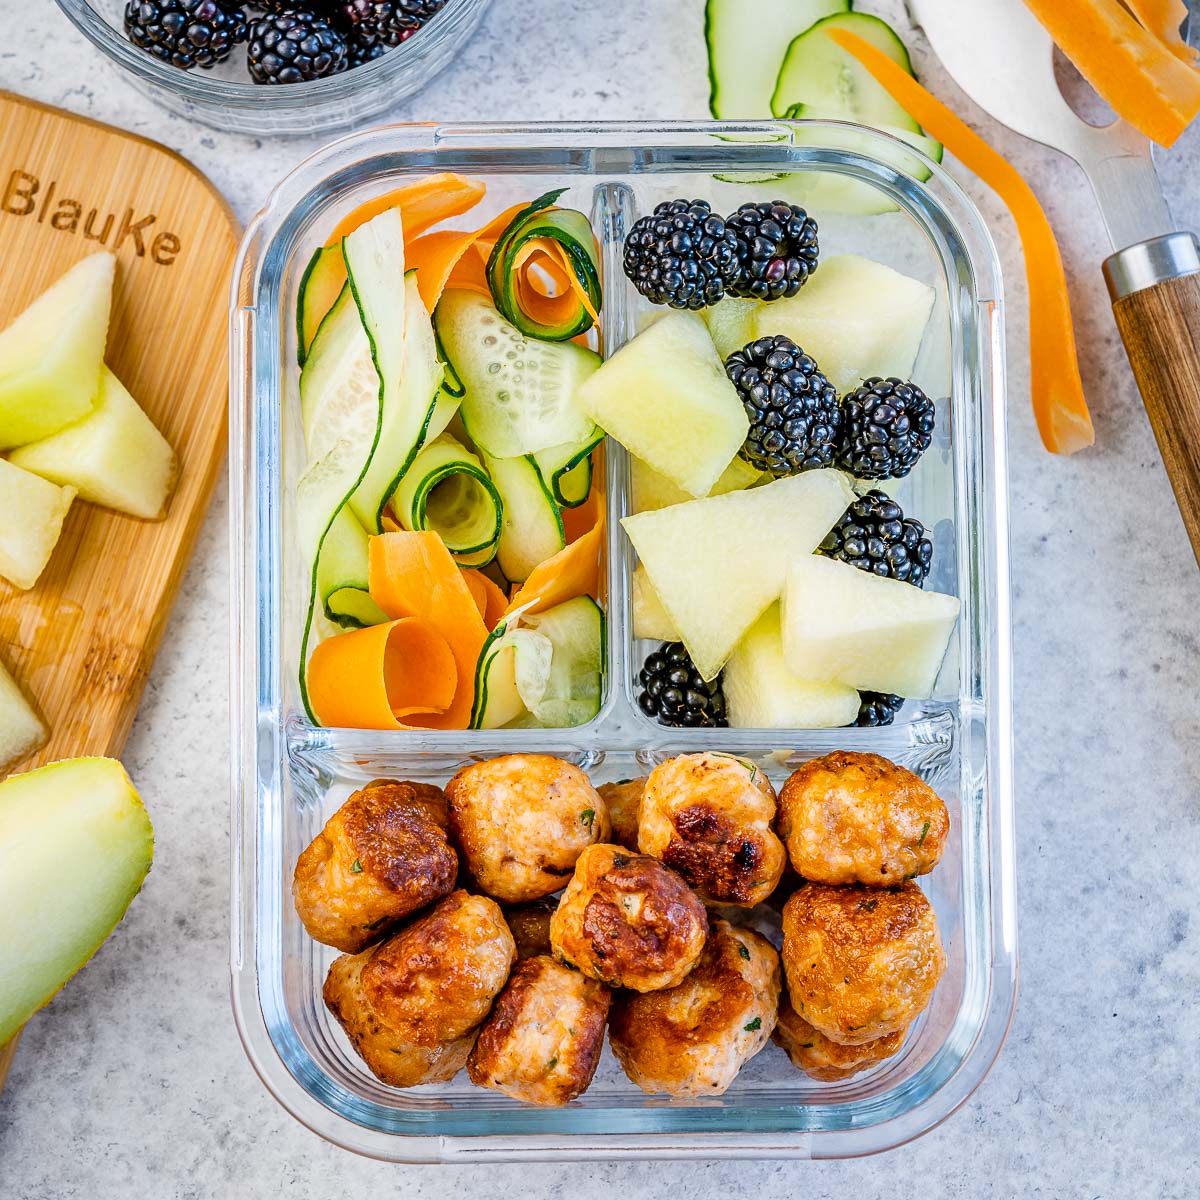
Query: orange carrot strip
[[413, 575], [422, 203], [582, 519], [1164, 19], [489, 599], [573, 571], [1058, 402], [371, 678], [474, 582], [1139, 76], [435, 255]]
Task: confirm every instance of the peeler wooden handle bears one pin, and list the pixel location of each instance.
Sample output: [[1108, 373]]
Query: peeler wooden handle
[[1155, 290]]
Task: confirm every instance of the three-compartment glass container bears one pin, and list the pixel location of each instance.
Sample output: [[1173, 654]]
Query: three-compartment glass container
[[288, 776]]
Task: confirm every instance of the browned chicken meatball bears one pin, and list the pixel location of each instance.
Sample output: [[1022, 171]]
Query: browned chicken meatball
[[522, 820], [628, 921], [411, 1005], [383, 855], [543, 1039], [693, 1039], [860, 818], [623, 801], [819, 1058], [860, 962], [709, 817], [530, 925]]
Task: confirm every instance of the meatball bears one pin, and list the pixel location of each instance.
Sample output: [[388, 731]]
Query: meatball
[[709, 817], [693, 1039], [411, 1005], [522, 820], [860, 962], [628, 921], [530, 925], [383, 855], [819, 1058], [859, 818], [543, 1039], [623, 801]]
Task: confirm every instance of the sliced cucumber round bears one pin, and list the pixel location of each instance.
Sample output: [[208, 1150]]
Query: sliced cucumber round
[[744, 54], [521, 394], [447, 490], [572, 691], [532, 527], [572, 231], [509, 660]]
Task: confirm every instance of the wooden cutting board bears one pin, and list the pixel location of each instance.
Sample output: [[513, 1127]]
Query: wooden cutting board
[[81, 643]]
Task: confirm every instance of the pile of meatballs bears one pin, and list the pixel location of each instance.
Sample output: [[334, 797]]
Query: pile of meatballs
[[456, 953]]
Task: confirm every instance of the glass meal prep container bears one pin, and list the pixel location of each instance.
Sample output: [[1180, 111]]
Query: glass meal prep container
[[288, 776]]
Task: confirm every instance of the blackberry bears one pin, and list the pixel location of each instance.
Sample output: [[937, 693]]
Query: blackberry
[[683, 255], [384, 22], [777, 249], [877, 708], [360, 53], [794, 413], [673, 693], [185, 33], [294, 46], [887, 425], [874, 535]]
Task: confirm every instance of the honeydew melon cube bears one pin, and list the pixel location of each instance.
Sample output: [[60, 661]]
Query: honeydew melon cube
[[650, 619], [867, 632], [652, 490], [75, 847], [21, 729], [731, 323], [665, 397], [32, 511], [50, 356], [856, 317], [717, 563], [114, 456], [762, 691]]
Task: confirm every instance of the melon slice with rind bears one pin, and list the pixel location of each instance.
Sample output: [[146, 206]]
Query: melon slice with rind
[[115, 456], [862, 630], [50, 356], [717, 563], [75, 847], [32, 511]]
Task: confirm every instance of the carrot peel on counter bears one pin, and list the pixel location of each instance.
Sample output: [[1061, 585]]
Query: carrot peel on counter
[[1058, 401], [573, 571], [1144, 80], [373, 678], [422, 203], [1164, 19], [413, 575]]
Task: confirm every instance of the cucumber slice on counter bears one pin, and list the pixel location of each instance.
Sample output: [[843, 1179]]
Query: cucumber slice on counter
[[320, 286], [746, 45], [447, 490], [816, 71], [521, 394], [573, 233], [567, 470], [404, 353], [532, 528], [547, 674]]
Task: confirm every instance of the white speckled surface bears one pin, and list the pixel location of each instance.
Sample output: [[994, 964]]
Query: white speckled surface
[[133, 1082]]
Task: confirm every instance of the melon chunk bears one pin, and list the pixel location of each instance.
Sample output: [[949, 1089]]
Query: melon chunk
[[731, 323], [665, 397], [32, 511], [50, 356], [867, 632], [652, 491], [114, 456], [856, 317], [717, 563], [650, 619], [21, 729], [75, 847], [762, 692]]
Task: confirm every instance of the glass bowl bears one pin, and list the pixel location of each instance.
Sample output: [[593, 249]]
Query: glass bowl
[[290, 776], [225, 98]]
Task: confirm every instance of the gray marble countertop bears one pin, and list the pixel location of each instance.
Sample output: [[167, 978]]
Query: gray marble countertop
[[133, 1082]]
